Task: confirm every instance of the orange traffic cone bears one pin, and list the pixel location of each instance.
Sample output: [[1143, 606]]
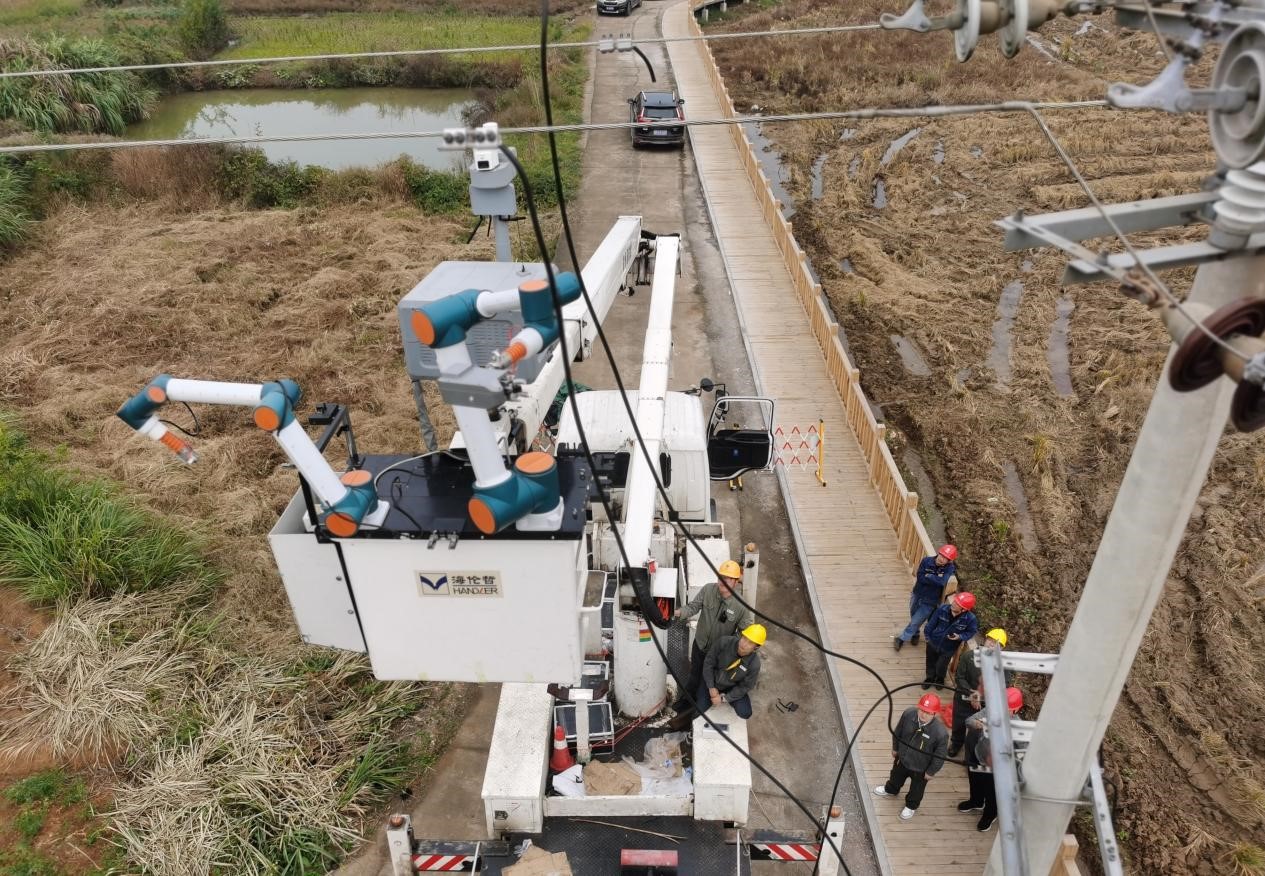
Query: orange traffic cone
[[561, 758]]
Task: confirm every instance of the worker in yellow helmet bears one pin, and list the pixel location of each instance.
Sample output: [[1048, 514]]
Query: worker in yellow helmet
[[719, 615], [968, 686], [729, 673]]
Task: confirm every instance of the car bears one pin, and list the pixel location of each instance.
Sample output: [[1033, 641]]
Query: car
[[617, 7], [651, 106]]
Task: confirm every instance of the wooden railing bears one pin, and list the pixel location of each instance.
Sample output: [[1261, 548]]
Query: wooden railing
[[900, 503]]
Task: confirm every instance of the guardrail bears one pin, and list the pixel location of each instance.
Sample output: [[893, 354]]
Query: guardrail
[[900, 503], [703, 10]]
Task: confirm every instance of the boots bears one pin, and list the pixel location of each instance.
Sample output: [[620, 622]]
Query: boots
[[898, 643], [682, 721]]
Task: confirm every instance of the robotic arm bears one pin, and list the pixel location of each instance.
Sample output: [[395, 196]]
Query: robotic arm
[[347, 501]]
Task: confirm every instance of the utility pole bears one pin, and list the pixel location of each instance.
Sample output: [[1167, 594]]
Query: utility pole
[[1164, 477]]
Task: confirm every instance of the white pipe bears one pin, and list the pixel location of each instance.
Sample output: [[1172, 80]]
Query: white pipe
[[491, 303], [640, 492], [212, 392], [481, 444], [300, 450]]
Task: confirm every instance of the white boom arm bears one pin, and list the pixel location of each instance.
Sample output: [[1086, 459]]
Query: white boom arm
[[639, 496]]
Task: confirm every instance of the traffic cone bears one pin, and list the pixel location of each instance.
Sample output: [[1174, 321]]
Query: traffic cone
[[561, 758]]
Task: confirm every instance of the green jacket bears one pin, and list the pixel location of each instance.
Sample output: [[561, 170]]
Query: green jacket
[[729, 672], [717, 617]]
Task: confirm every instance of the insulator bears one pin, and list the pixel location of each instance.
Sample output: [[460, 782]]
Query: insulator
[[1240, 209]]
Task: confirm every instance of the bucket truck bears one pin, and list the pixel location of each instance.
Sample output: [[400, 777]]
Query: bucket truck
[[490, 560]]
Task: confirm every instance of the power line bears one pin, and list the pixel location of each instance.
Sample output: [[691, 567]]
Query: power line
[[447, 50], [1012, 106], [1159, 284]]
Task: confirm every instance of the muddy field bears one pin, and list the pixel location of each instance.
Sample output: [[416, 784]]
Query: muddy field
[[1019, 398]]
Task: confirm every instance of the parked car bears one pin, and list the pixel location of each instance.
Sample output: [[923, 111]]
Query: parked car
[[616, 7], [649, 107]]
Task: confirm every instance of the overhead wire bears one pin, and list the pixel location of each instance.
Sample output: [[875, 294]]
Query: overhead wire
[[1159, 284], [934, 111], [445, 50]]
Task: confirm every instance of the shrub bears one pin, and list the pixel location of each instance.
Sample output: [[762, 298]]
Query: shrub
[[436, 191], [89, 103], [249, 176], [203, 28]]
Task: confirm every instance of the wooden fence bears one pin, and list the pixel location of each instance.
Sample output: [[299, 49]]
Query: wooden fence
[[901, 504]]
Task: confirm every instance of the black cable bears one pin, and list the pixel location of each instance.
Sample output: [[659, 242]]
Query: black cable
[[475, 231], [647, 602], [197, 426], [623, 393], [604, 499]]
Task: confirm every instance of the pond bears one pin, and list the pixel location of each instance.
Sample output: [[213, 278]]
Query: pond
[[273, 111]]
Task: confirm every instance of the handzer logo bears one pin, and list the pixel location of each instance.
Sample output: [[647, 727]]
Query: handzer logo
[[459, 583], [437, 586]]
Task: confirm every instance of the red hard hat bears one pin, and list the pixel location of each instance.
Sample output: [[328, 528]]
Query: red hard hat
[[949, 552], [929, 703], [966, 599], [1014, 699]]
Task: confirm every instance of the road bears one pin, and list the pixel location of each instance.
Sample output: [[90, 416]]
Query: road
[[801, 747]]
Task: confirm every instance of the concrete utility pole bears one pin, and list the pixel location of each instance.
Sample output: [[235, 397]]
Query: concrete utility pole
[[1163, 480]]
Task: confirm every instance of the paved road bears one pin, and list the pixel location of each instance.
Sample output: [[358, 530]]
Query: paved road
[[801, 747]]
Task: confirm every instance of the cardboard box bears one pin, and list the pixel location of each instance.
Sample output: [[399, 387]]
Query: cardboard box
[[537, 862], [610, 779]]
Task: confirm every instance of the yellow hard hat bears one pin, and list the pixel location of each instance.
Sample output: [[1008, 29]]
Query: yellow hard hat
[[756, 633], [999, 635], [730, 569]]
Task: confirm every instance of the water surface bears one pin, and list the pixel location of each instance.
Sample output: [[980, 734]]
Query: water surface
[[272, 111]]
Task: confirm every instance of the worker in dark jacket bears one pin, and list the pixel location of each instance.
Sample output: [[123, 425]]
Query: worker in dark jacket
[[918, 752], [979, 763], [929, 583], [968, 690], [951, 625], [729, 673], [719, 615]]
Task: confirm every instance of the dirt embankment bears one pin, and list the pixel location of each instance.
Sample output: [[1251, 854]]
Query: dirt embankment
[[1025, 411]]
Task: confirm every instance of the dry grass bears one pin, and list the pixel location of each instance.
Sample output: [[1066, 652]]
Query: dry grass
[[455, 7], [102, 675]]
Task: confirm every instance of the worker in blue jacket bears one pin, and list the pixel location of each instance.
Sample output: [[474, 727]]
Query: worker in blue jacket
[[933, 574], [951, 625]]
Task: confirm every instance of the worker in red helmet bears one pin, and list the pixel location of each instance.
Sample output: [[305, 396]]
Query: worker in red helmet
[[952, 624], [929, 583], [918, 751], [979, 763]]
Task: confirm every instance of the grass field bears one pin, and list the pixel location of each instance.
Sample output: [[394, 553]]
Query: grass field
[[265, 36]]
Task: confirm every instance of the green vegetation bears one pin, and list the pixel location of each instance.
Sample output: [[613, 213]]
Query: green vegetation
[[264, 37], [15, 219], [50, 786], [63, 538], [37, 12], [90, 103], [203, 28]]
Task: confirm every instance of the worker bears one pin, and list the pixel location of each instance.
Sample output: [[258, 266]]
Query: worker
[[951, 625], [918, 752], [729, 673], [968, 688], [719, 615], [979, 763], [929, 583]]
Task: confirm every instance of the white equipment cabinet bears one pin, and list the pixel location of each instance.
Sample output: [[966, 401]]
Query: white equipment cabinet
[[518, 761], [496, 609]]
